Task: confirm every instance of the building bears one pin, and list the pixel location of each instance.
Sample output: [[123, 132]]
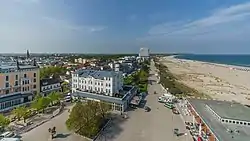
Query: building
[[49, 85], [107, 82], [18, 84], [27, 55], [104, 86], [225, 121], [144, 53]]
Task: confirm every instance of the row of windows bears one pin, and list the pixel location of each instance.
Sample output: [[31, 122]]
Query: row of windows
[[227, 120], [235, 122], [97, 89], [16, 77], [50, 87], [9, 104], [90, 82]]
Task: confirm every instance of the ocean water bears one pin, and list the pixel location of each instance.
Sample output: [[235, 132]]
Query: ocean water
[[237, 60]]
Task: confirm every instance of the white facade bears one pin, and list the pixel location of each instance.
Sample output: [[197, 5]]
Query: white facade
[[94, 81], [144, 52]]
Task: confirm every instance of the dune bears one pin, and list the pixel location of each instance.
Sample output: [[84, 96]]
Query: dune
[[221, 82]]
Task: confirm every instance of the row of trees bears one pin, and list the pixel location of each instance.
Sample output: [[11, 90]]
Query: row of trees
[[139, 78], [38, 105], [86, 119]]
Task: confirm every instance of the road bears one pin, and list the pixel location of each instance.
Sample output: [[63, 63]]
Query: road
[[156, 125]]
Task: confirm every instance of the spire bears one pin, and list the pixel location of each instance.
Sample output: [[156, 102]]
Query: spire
[[28, 54]]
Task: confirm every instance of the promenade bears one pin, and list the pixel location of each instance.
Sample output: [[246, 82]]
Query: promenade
[[156, 125]]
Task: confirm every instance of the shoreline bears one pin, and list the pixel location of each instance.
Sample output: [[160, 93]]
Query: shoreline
[[219, 81], [242, 68]]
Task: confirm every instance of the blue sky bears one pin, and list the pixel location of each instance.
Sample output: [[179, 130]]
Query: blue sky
[[124, 26]]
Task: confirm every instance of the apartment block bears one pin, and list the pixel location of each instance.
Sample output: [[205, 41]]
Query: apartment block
[[18, 84]]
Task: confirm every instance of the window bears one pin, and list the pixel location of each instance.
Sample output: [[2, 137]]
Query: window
[[34, 74], [16, 83], [25, 75], [7, 92], [34, 80], [7, 78], [34, 86], [7, 85], [16, 77]]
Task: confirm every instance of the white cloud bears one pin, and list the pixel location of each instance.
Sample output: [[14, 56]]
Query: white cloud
[[231, 15], [225, 30], [71, 26]]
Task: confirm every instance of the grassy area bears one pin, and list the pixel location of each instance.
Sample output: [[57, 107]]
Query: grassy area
[[168, 80]]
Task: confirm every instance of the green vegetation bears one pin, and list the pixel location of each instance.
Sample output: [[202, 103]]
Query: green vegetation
[[21, 112], [65, 87], [102, 57], [41, 103], [140, 78], [87, 119], [49, 71], [168, 80], [4, 122]]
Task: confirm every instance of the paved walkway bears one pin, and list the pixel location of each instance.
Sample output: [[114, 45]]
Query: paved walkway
[[156, 125], [41, 133]]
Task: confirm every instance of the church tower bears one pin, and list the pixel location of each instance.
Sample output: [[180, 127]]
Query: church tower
[[28, 54]]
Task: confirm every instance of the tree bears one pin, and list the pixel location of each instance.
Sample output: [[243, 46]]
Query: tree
[[104, 109], [41, 103], [4, 122], [86, 118], [20, 112], [54, 97]]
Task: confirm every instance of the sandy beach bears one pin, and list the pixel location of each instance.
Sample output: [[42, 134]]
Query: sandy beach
[[221, 82]]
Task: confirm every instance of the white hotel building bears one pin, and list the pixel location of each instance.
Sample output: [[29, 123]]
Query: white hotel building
[[101, 82], [102, 86]]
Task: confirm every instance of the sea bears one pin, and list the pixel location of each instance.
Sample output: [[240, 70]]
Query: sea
[[237, 60]]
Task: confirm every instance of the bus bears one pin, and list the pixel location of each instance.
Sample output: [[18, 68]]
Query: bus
[[169, 105]]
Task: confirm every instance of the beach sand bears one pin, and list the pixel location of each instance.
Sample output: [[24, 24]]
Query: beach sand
[[221, 82]]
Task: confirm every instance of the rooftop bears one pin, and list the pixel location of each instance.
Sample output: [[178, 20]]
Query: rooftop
[[217, 127], [4, 67], [98, 74], [49, 81], [230, 110]]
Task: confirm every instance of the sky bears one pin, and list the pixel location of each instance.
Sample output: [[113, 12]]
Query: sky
[[124, 26]]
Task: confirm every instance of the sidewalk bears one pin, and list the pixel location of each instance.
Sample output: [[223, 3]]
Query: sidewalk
[[37, 120]]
